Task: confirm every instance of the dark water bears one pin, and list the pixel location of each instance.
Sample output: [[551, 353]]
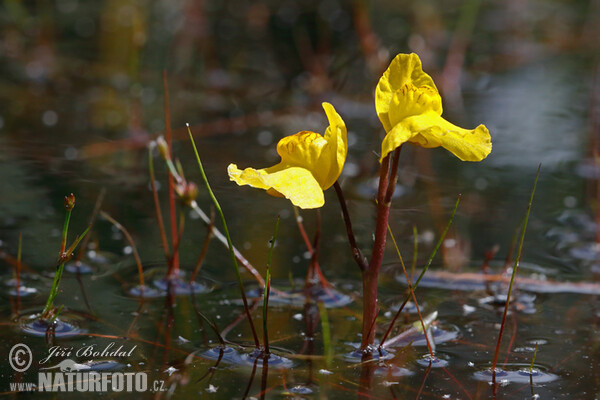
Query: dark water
[[81, 95]]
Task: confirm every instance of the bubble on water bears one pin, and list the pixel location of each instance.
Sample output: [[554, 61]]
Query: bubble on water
[[264, 138], [570, 201], [71, 153], [50, 118]]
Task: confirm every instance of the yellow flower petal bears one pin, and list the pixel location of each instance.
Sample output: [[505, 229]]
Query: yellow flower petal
[[323, 156], [410, 108], [295, 183], [310, 163], [405, 68], [410, 100], [431, 130]]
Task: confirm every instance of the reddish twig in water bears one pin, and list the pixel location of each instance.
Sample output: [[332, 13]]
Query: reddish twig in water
[[174, 261], [204, 246], [316, 268], [157, 208], [95, 212], [138, 261], [427, 371], [457, 382], [512, 338]]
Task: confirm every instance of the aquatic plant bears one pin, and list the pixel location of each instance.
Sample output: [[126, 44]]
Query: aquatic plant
[[65, 254], [409, 107]]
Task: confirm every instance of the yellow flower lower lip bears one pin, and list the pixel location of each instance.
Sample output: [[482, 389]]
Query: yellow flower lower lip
[[410, 108], [310, 163]]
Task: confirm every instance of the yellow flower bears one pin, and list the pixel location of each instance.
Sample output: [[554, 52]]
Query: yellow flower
[[410, 108], [310, 163]]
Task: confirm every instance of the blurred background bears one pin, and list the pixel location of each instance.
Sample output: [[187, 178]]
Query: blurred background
[[81, 96]]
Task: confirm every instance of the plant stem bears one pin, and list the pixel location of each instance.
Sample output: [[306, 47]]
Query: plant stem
[[69, 204], [356, 253], [514, 274], [159, 218], [174, 264], [268, 288], [387, 186], [204, 248], [229, 242]]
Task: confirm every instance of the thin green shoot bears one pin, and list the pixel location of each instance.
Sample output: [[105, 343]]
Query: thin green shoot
[[412, 292], [415, 252], [268, 288], [514, 274], [533, 359], [431, 257], [326, 329], [56, 314], [229, 242], [63, 256]]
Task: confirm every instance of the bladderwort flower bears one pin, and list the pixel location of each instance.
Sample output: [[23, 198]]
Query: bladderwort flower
[[310, 163], [410, 108]]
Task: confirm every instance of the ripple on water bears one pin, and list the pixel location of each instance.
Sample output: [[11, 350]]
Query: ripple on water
[[257, 357], [520, 374], [62, 327], [437, 361], [181, 287], [230, 355], [330, 297], [146, 292], [373, 352]]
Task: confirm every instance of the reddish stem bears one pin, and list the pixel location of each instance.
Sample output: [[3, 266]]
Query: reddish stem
[[174, 265], [387, 185]]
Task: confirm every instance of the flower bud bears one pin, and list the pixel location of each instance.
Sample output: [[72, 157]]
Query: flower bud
[[70, 202], [163, 147], [190, 193]]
